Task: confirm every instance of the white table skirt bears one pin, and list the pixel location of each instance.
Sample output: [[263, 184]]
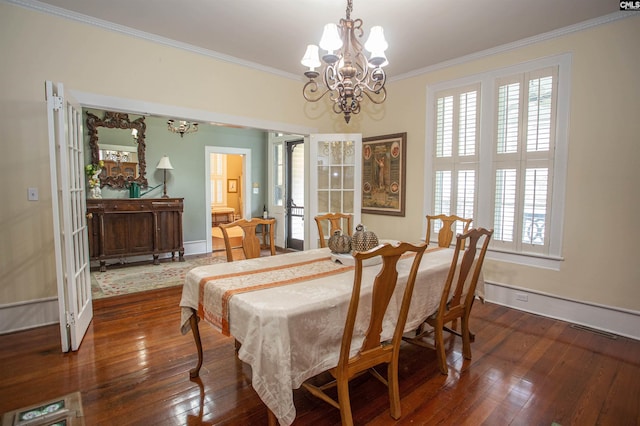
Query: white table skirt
[[293, 332]]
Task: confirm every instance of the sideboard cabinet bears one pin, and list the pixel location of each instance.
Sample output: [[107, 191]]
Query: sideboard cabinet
[[124, 227]]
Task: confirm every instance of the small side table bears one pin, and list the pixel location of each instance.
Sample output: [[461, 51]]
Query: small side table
[[264, 229]]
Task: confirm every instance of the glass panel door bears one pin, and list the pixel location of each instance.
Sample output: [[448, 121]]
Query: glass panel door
[[335, 175]]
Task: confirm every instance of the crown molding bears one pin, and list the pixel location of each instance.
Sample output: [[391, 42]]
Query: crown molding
[[517, 44], [110, 26]]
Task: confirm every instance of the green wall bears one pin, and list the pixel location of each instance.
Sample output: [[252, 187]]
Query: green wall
[[188, 178]]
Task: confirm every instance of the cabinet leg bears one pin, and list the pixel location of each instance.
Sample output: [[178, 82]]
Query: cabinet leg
[[181, 255], [103, 266], [156, 261]]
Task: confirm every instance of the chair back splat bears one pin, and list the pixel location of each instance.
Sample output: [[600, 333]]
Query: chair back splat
[[331, 222], [251, 246], [374, 349], [446, 233]]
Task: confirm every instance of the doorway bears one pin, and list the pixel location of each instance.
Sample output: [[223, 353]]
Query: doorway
[[295, 194], [228, 174]]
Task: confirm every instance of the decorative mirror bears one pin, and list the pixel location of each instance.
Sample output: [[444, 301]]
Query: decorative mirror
[[122, 152]]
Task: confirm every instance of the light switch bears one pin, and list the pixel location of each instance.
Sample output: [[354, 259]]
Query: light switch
[[256, 190], [32, 194]]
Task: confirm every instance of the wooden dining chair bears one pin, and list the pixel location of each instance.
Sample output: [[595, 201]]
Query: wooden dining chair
[[333, 222], [446, 232], [374, 350], [250, 246], [457, 296]]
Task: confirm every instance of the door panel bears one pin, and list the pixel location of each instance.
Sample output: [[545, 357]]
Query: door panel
[[295, 194], [335, 174], [68, 196]]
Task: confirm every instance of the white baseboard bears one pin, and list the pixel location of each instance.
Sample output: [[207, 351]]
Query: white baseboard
[[604, 318], [36, 313], [25, 315]]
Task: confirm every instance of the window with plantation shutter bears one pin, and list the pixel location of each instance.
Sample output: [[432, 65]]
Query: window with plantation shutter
[[455, 159], [498, 153], [523, 160], [218, 176]]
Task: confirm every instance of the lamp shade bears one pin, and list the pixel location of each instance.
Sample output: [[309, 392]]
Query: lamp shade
[[311, 57], [376, 41], [330, 40], [164, 164]]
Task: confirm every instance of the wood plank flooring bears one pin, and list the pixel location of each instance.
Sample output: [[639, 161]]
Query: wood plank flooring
[[133, 369]]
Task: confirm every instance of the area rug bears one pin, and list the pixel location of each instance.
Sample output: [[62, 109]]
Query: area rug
[[119, 280], [65, 410]]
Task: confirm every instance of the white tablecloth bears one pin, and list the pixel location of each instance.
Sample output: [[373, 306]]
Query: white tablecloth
[[292, 332]]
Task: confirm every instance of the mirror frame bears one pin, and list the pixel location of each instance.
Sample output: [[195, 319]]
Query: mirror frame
[[118, 120]]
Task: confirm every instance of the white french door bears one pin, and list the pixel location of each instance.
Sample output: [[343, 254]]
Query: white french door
[[69, 220], [335, 177]]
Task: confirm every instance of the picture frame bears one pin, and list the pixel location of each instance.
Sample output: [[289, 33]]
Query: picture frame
[[384, 174], [232, 185]]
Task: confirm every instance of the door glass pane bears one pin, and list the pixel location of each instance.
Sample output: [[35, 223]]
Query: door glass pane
[[323, 201], [335, 204], [336, 152], [348, 179], [347, 202], [349, 152], [322, 158], [336, 177], [323, 177]]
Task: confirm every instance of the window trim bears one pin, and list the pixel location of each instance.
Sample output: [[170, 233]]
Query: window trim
[[488, 90]]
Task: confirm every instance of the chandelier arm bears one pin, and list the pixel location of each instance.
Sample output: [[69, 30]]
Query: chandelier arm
[[382, 93], [310, 89]]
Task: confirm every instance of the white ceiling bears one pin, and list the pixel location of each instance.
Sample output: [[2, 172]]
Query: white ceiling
[[274, 34]]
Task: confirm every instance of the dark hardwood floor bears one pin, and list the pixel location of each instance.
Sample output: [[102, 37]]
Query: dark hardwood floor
[[133, 369]]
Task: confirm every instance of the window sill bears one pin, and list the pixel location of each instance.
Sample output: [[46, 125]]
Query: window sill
[[527, 259]]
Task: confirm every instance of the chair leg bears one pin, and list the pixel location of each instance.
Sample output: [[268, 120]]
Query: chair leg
[[394, 390], [345, 404], [466, 336], [442, 357]]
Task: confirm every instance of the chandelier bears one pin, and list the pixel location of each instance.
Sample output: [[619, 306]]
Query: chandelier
[[347, 74], [182, 127]]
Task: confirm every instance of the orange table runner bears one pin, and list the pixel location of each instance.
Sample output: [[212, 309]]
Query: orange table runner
[[215, 291]]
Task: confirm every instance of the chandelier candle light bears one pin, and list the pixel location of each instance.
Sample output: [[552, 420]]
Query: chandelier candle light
[[347, 74], [182, 127]]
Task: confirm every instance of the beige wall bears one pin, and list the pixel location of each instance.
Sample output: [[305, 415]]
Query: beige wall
[[36, 47], [599, 252], [600, 241]]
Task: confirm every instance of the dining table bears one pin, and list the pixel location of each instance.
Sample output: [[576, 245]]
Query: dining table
[[288, 312]]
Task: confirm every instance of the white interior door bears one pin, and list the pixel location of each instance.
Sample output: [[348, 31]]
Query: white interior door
[[335, 178], [69, 220]]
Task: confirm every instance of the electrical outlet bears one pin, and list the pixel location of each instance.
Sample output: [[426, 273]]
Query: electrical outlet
[[32, 194], [522, 297]]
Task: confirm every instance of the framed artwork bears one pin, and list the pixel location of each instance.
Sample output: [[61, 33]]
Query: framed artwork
[[232, 185], [384, 161]]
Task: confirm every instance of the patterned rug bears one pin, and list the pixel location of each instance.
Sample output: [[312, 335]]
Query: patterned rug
[[119, 280]]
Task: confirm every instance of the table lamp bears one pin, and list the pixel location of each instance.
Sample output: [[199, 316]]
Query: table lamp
[[164, 164]]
